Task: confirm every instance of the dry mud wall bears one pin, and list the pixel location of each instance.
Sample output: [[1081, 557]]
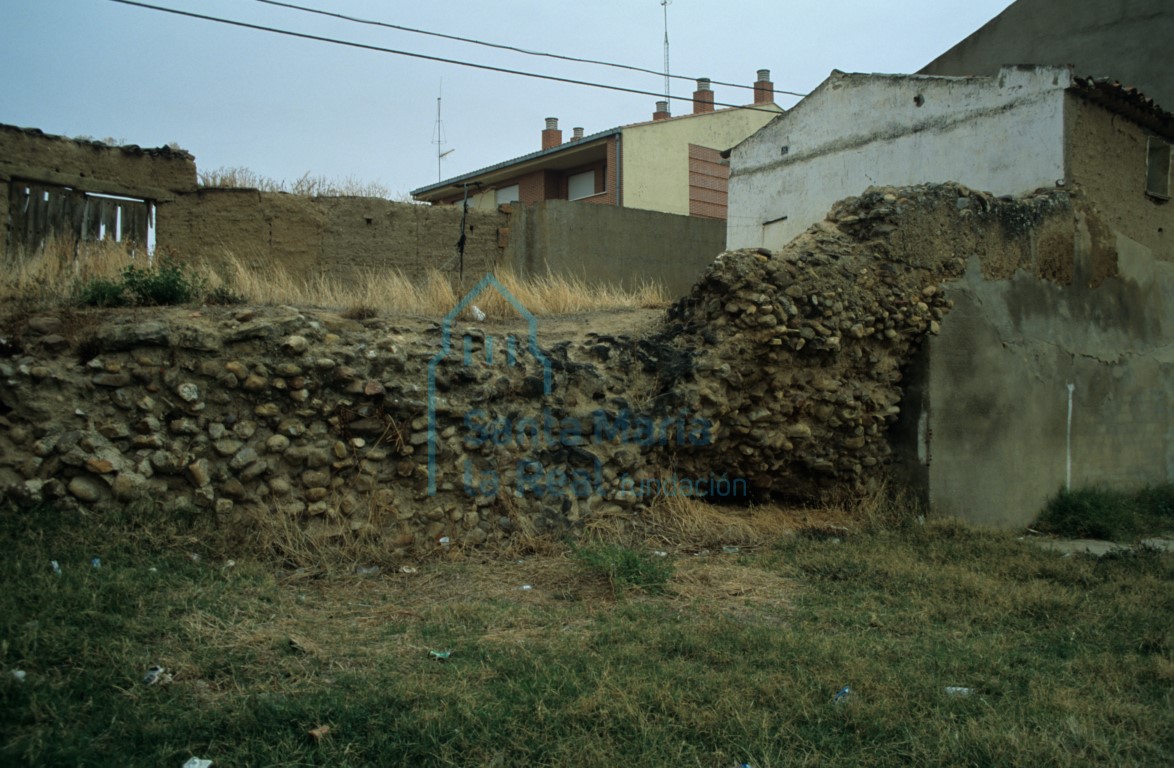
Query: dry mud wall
[[786, 374], [345, 239]]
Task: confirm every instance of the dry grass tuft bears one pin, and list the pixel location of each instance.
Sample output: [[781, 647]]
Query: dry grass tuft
[[240, 177], [55, 273], [689, 523], [52, 273]]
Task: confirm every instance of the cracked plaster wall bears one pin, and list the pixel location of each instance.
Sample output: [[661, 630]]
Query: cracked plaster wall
[[994, 427]]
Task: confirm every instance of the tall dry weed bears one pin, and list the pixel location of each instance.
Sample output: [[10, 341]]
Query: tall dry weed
[[54, 273]]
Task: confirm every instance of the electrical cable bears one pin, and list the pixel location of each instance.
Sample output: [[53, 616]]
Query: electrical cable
[[502, 47], [426, 57]]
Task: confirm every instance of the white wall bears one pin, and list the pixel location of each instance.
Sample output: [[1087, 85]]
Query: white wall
[[1003, 135]]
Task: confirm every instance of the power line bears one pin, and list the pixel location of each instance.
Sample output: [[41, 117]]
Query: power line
[[502, 47], [426, 57]]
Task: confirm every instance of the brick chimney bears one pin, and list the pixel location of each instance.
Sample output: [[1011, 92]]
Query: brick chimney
[[702, 97], [551, 135], [576, 134], [764, 88], [662, 111]]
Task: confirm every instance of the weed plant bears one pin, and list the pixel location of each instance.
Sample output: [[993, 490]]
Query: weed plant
[[625, 568], [1102, 513]]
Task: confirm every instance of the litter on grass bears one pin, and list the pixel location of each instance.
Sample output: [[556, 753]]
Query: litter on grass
[[842, 695], [156, 674]]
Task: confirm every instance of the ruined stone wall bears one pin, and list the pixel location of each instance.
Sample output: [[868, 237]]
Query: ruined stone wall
[[276, 416], [344, 238], [790, 374], [814, 358]]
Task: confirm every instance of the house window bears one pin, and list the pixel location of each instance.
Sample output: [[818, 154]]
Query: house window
[[581, 185], [507, 195], [1157, 172]]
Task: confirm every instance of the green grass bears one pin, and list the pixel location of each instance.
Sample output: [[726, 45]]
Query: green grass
[[625, 568], [737, 659], [1101, 513]]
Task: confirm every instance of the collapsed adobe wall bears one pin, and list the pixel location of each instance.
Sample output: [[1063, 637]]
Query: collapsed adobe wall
[[50, 175], [160, 173]]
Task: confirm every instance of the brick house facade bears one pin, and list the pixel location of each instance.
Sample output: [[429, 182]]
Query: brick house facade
[[667, 164]]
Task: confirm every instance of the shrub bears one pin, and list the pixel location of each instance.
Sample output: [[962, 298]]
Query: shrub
[[223, 296], [625, 568], [100, 292], [166, 283], [1107, 514]]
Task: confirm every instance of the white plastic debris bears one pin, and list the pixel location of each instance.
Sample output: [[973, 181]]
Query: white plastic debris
[[367, 570], [660, 553], [56, 567], [444, 541], [19, 675], [842, 695], [197, 762], [957, 690], [408, 569], [155, 674], [478, 315], [526, 587]]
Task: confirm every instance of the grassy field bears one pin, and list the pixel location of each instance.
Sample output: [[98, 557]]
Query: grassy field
[[613, 655]]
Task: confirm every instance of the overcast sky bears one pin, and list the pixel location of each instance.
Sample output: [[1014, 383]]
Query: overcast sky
[[283, 106]]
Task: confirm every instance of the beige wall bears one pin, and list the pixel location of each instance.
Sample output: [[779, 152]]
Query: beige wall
[[602, 244], [655, 155], [94, 167], [28, 155], [1106, 157], [344, 238], [992, 409]]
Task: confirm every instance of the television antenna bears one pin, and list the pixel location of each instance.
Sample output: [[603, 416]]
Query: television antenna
[[665, 4], [438, 136]]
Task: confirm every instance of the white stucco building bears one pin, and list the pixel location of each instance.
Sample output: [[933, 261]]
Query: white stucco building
[[1008, 134]]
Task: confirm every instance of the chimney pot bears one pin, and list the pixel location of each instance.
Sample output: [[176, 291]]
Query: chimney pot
[[662, 111], [703, 97], [551, 136], [764, 88], [577, 134]]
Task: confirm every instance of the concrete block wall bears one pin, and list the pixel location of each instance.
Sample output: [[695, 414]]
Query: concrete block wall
[[619, 246]]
